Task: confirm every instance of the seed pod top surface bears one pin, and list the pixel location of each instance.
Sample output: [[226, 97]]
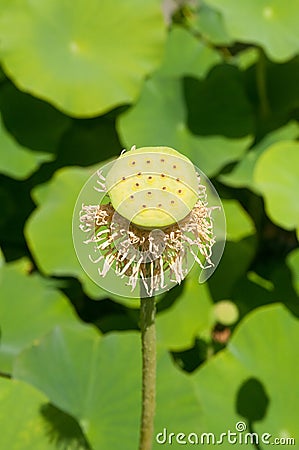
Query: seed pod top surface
[[153, 187]]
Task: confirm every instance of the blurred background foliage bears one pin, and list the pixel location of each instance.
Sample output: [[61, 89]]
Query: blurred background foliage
[[219, 81]]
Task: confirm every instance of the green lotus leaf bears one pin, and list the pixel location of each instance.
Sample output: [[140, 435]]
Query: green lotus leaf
[[196, 58], [275, 26], [63, 345], [159, 118], [192, 314], [17, 161], [242, 174], [277, 178], [34, 124], [238, 222], [177, 404], [84, 59], [97, 406], [22, 425], [256, 382], [210, 24], [29, 422], [98, 381], [55, 203], [55, 206], [29, 308]]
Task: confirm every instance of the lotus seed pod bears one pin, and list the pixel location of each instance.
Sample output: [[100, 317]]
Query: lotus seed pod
[[141, 222], [153, 187]]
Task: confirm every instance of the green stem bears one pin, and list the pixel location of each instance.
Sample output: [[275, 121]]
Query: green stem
[[148, 338], [262, 84]]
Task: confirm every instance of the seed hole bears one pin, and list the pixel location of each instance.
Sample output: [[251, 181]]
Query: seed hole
[[137, 184], [160, 204], [139, 173], [123, 178], [178, 179], [174, 166], [180, 191], [150, 178], [132, 196], [149, 193], [148, 161], [164, 188], [162, 160], [172, 202], [162, 175], [143, 206], [133, 162]]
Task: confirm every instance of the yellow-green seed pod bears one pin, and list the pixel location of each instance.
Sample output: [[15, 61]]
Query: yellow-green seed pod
[[153, 187]]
